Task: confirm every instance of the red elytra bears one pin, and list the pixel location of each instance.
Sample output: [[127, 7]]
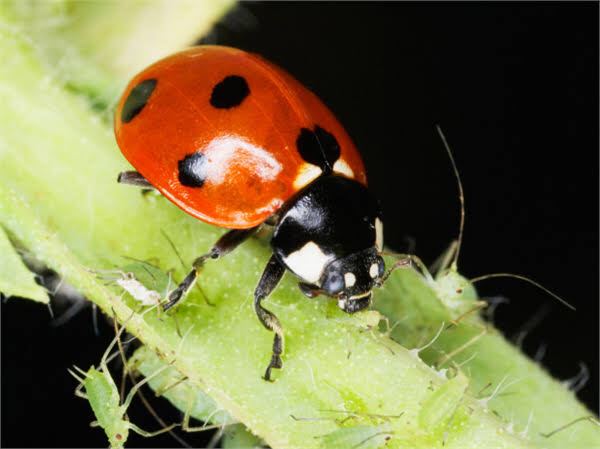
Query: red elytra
[[250, 156]]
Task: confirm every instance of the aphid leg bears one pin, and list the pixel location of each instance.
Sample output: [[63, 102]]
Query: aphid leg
[[104, 360], [133, 178], [227, 243], [127, 372], [141, 383], [78, 392], [270, 278], [185, 424], [160, 391], [145, 433]]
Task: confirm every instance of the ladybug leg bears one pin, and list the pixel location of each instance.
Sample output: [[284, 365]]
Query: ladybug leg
[[227, 243], [270, 278], [405, 261], [133, 178], [309, 290]]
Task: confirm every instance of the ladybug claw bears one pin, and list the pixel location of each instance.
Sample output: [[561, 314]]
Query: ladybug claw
[[179, 293], [276, 362]]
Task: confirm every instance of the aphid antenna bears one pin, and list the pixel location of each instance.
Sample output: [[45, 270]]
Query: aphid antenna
[[461, 197], [184, 266], [360, 414], [174, 248], [522, 278], [106, 274], [589, 418], [143, 262], [387, 433], [301, 418]]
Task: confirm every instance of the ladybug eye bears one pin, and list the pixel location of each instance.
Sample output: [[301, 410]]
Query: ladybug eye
[[334, 283]]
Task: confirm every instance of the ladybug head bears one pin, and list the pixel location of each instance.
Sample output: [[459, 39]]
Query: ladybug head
[[351, 279]]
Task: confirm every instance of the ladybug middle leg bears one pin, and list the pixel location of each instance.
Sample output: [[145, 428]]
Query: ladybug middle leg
[[227, 243], [268, 281]]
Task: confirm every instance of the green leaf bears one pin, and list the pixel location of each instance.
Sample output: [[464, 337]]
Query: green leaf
[[15, 277]]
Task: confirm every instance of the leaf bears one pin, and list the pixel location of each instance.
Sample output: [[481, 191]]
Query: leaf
[[15, 277]]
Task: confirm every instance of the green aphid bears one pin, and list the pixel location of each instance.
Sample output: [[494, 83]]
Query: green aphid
[[357, 437], [439, 407], [102, 394]]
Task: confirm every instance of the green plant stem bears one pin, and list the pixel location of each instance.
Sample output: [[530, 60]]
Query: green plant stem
[[59, 199]]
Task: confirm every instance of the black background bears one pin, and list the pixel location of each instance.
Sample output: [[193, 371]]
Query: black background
[[515, 88]]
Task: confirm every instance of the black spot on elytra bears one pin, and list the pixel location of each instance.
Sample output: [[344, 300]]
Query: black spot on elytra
[[318, 147], [230, 92], [137, 99], [192, 170]]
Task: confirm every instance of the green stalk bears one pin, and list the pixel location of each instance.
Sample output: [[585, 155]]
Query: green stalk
[[60, 201]]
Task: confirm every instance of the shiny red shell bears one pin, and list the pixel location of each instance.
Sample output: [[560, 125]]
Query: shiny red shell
[[252, 163]]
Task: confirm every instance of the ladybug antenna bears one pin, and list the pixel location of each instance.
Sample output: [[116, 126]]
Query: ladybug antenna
[[461, 196], [522, 278]]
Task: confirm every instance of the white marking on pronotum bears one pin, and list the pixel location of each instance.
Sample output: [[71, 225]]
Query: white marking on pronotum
[[349, 279], [379, 234], [308, 262], [374, 270], [342, 167], [306, 174]]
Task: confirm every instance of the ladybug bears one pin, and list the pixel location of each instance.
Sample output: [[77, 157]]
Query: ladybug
[[237, 142]]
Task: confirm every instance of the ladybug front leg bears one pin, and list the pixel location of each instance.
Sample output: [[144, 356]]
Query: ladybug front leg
[[268, 281], [227, 243]]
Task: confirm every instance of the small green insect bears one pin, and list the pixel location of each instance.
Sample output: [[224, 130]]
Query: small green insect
[[103, 395], [357, 437]]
